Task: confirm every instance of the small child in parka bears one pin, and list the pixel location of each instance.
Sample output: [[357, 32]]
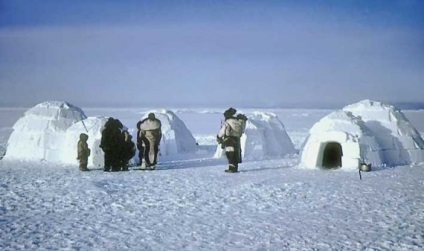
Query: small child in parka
[[83, 152]]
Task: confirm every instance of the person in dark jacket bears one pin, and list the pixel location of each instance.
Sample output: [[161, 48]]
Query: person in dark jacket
[[83, 152], [140, 145], [112, 143], [149, 135], [128, 150]]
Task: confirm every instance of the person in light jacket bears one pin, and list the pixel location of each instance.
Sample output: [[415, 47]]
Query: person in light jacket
[[148, 138], [229, 137], [83, 152]]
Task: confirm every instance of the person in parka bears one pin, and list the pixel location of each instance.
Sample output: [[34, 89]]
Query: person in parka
[[149, 137], [128, 150], [140, 146], [229, 137], [112, 143], [83, 152]]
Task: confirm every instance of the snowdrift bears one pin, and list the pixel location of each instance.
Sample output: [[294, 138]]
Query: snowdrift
[[265, 137], [176, 138], [368, 131]]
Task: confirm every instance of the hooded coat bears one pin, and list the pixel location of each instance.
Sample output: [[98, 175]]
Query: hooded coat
[[83, 150]]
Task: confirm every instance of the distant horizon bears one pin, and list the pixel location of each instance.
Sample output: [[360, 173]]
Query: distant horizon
[[304, 105], [288, 53]]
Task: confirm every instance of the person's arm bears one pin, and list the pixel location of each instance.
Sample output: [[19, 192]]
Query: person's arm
[[222, 131]]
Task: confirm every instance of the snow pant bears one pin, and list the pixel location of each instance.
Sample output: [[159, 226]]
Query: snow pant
[[126, 160], [108, 161], [151, 150], [83, 164], [140, 148], [112, 161], [233, 153]]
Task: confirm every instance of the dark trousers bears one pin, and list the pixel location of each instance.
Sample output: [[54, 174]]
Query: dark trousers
[[108, 161], [112, 161], [233, 157]]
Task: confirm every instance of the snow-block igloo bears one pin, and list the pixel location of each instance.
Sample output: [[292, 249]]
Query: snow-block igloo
[[176, 137], [400, 142], [368, 131], [93, 127], [40, 133], [340, 139], [265, 137]]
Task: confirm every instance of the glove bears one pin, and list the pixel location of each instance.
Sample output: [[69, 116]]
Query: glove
[[218, 139]]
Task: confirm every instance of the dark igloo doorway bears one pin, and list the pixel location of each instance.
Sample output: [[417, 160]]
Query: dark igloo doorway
[[332, 155]]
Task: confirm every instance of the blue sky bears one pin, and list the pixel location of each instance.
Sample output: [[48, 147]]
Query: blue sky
[[211, 53]]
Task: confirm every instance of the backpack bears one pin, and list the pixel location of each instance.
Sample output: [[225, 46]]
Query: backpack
[[236, 127]]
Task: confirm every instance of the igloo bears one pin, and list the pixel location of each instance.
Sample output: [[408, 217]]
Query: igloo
[[265, 137], [176, 137], [400, 142], [340, 140], [40, 133], [368, 131]]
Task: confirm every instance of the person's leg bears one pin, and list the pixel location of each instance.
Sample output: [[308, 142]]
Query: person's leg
[[147, 152], [238, 149], [232, 155], [116, 162], [152, 153], [107, 161], [156, 151], [83, 164], [140, 154], [232, 162]]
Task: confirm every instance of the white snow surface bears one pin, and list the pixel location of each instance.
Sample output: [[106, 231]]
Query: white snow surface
[[265, 137], [191, 204]]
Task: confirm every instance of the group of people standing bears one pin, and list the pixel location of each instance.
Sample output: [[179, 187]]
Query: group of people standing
[[119, 148]]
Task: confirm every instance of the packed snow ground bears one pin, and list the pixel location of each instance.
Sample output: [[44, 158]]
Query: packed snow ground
[[193, 205]]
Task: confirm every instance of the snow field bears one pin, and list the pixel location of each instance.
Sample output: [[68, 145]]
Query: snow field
[[270, 205]]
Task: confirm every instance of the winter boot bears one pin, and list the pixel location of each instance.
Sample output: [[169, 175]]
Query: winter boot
[[231, 168]]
